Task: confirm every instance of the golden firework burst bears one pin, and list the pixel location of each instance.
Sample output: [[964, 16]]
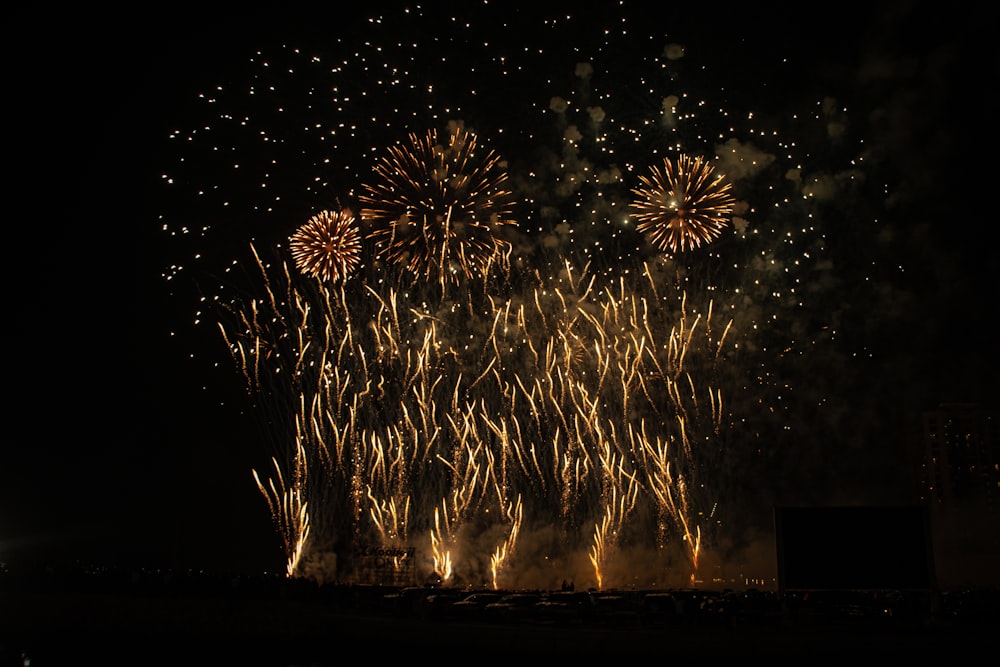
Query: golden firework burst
[[328, 247], [683, 204], [436, 206]]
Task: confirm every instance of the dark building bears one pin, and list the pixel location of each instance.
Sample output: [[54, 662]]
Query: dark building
[[957, 464], [958, 457]]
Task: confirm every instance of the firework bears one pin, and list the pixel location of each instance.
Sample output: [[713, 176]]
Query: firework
[[437, 207], [328, 247], [682, 205]]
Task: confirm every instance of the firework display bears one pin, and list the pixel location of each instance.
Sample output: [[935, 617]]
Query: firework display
[[562, 360]]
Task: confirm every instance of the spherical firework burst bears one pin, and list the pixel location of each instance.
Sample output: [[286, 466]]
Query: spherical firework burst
[[683, 204], [327, 247], [437, 205]]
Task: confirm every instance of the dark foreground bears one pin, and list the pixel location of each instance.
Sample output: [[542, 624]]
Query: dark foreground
[[185, 620]]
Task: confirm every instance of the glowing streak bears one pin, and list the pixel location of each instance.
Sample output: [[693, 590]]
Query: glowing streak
[[503, 552], [289, 510]]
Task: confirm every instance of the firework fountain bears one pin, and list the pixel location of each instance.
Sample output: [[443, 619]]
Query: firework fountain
[[459, 420]]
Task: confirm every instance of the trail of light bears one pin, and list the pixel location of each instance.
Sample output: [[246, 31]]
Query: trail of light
[[515, 514], [289, 510], [441, 555]]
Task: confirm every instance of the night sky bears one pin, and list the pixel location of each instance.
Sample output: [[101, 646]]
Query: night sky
[[130, 439]]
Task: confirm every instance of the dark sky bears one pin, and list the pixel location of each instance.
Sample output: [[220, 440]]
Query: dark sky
[[119, 449]]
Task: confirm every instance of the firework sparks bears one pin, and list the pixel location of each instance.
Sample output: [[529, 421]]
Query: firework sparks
[[619, 504], [682, 205], [328, 247], [410, 444], [438, 206], [289, 509], [504, 551], [442, 555]]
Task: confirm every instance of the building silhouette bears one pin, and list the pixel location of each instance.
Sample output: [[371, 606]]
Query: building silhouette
[[957, 464], [958, 457]]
